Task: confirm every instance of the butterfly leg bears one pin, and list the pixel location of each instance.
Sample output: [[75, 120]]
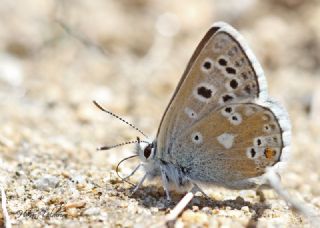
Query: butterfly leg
[[139, 184], [165, 183], [133, 172], [260, 194], [198, 189]]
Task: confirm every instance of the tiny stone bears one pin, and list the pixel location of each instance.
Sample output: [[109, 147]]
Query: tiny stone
[[46, 182], [55, 200], [154, 209], [40, 204], [245, 209], [239, 200], [72, 212], [132, 208], [75, 193], [104, 216], [215, 211], [191, 217], [124, 204], [196, 201], [206, 210], [78, 204], [20, 191], [247, 193], [79, 179], [195, 208], [235, 213], [179, 224], [160, 205], [81, 186], [65, 174], [92, 211]]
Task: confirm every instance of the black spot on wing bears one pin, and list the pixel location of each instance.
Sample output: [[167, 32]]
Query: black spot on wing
[[227, 98], [231, 70], [228, 109], [222, 62], [233, 84], [204, 92], [252, 152], [207, 65]]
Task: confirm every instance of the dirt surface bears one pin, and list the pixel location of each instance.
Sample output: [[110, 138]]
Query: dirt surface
[[57, 56]]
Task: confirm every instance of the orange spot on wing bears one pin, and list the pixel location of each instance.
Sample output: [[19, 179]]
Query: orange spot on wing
[[269, 153]]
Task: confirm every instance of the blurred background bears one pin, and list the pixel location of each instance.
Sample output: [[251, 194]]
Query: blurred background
[[57, 56]]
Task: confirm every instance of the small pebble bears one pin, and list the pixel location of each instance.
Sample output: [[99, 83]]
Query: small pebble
[[79, 179], [65, 174], [191, 217], [55, 200], [240, 200], [46, 182], [78, 204], [160, 205], [40, 204], [196, 201], [81, 186], [72, 212], [92, 211], [75, 193], [179, 224], [132, 208], [195, 208], [206, 210], [104, 216], [215, 211], [245, 209], [154, 209], [20, 190]]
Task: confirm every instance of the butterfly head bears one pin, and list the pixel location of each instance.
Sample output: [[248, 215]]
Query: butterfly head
[[145, 150]]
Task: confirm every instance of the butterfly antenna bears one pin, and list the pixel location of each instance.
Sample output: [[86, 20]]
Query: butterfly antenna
[[121, 144], [118, 117]]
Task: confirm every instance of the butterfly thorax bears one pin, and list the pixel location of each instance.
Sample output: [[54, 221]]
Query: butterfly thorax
[[156, 166]]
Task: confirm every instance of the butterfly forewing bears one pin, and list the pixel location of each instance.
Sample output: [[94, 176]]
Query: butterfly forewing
[[219, 72]]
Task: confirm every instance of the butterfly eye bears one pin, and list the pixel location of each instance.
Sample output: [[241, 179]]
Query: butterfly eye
[[147, 152]]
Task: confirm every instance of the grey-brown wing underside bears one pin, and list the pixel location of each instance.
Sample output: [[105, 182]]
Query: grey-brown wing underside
[[235, 143], [222, 71]]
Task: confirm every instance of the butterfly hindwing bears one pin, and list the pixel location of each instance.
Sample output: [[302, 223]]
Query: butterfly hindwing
[[237, 142]]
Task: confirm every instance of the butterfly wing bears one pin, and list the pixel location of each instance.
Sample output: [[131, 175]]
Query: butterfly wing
[[234, 143], [222, 71], [207, 80]]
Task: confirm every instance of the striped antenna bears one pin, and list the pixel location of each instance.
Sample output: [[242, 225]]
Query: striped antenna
[[119, 118], [120, 144]]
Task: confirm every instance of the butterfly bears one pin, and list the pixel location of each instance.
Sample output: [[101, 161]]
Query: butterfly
[[220, 126]]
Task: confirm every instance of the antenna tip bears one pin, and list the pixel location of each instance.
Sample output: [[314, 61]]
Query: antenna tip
[[95, 103], [98, 106], [103, 148]]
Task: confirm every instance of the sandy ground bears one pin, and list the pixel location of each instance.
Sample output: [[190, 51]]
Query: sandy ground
[[57, 56]]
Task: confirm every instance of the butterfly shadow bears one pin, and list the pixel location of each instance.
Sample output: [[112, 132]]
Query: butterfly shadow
[[154, 196]]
